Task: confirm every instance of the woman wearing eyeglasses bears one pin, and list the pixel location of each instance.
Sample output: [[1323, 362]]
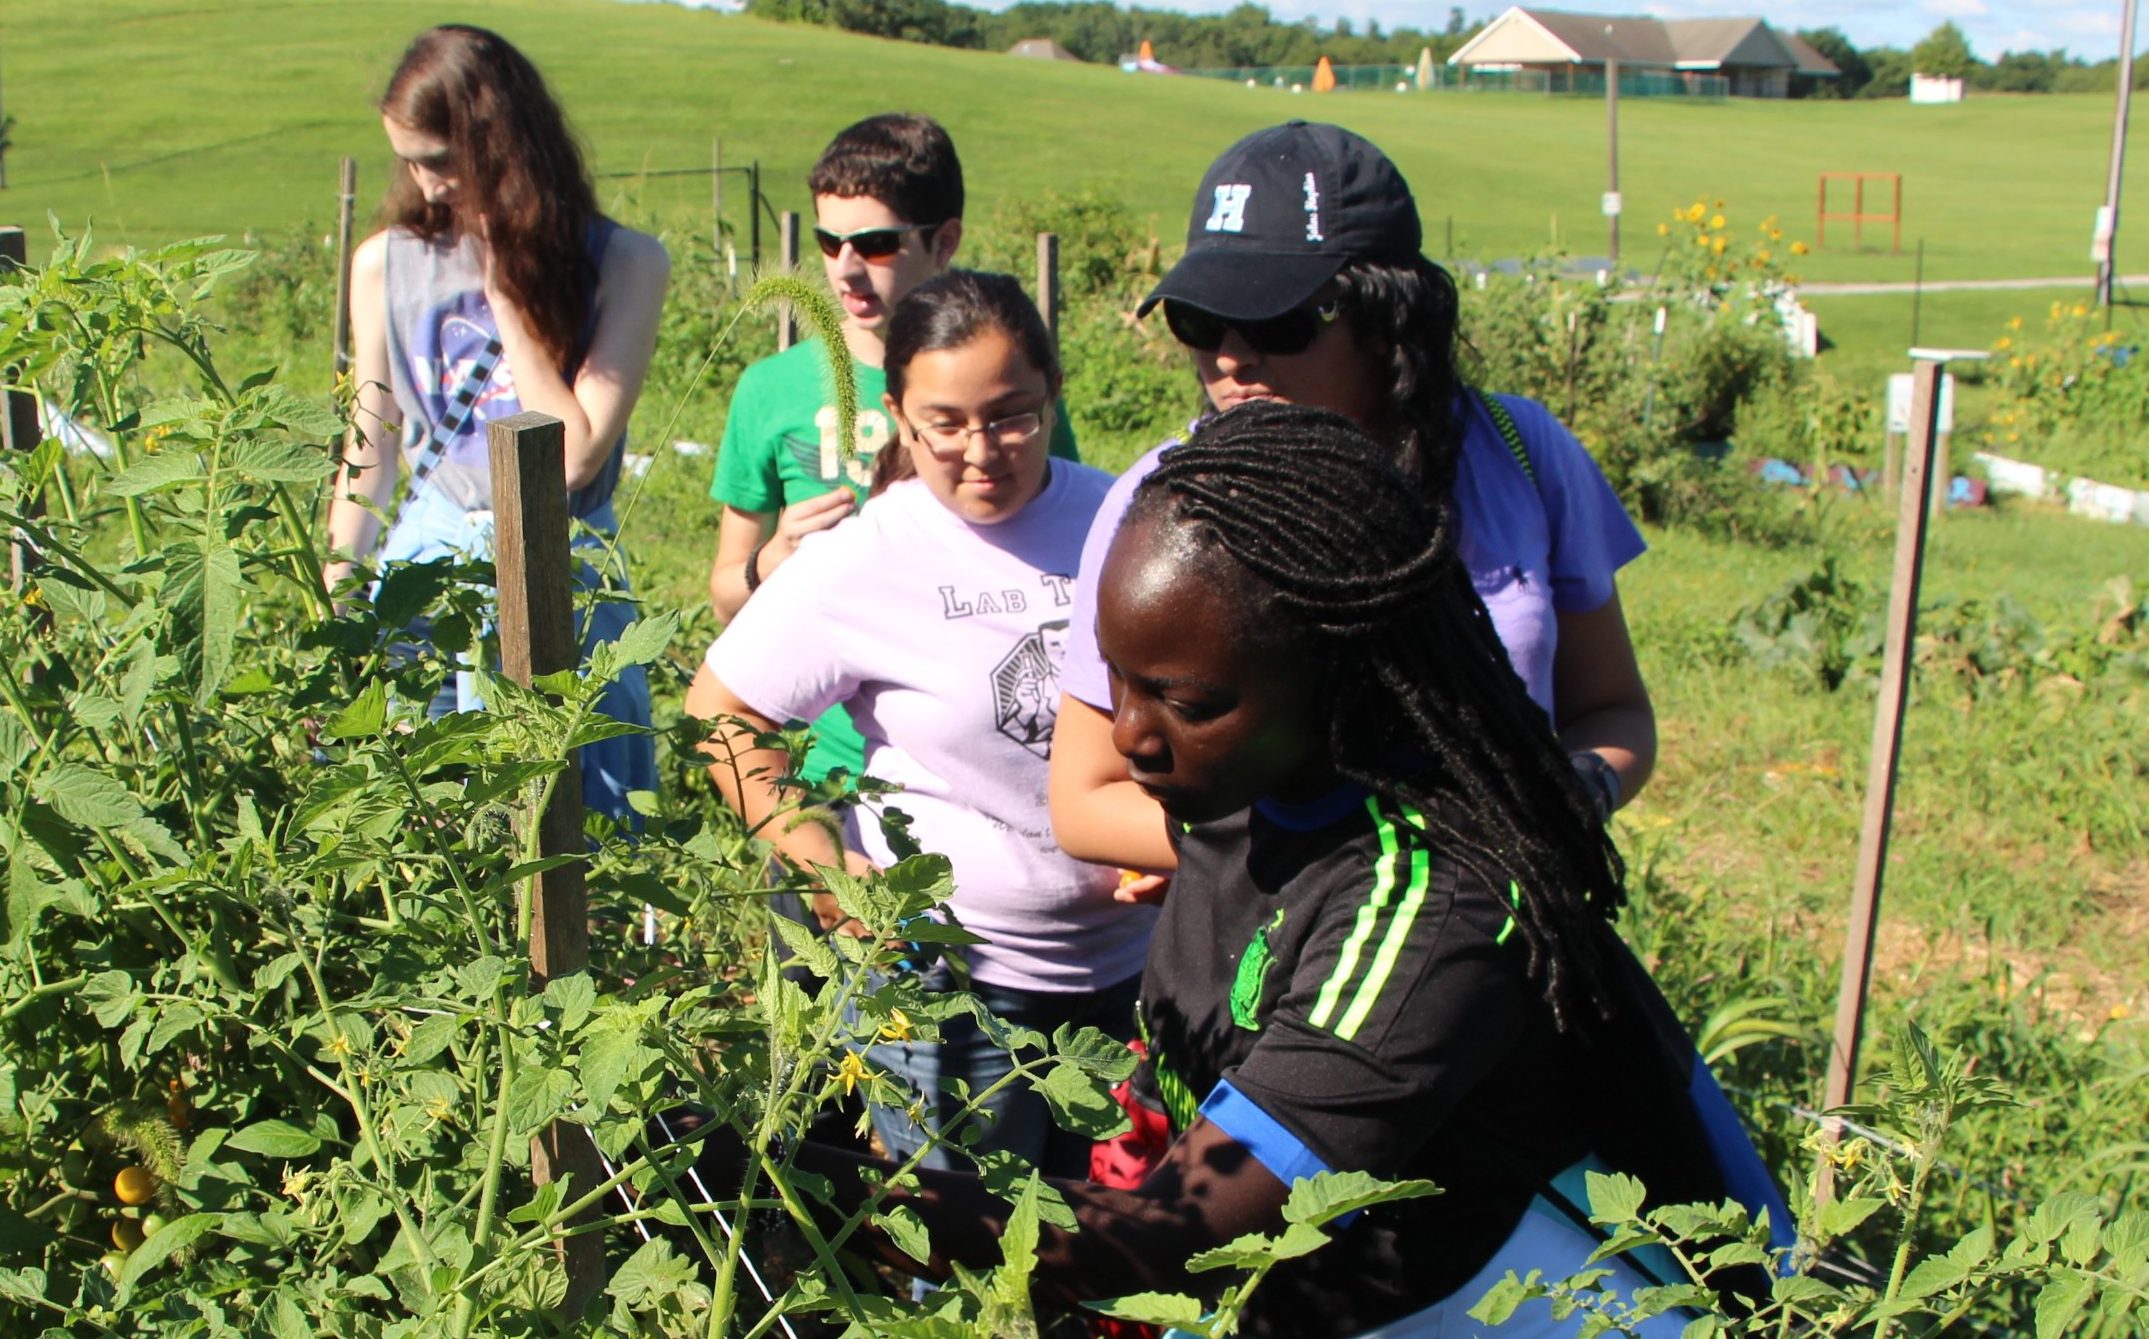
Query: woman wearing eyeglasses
[[1303, 282], [936, 615]]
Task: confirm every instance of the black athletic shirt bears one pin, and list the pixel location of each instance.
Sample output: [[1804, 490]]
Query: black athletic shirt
[[1337, 996]]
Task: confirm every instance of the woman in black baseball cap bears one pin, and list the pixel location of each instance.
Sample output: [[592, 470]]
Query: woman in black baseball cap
[[1303, 281]]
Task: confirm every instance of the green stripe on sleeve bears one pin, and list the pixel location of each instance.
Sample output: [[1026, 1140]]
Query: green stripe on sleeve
[[1369, 911], [1391, 944]]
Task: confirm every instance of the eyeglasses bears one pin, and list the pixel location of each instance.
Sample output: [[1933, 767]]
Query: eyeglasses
[[1006, 433], [1277, 336], [869, 243]]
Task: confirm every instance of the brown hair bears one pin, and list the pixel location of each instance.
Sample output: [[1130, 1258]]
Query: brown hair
[[905, 161], [519, 171]]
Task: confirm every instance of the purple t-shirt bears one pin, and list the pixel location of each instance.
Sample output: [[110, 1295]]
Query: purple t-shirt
[[944, 639], [1535, 550]]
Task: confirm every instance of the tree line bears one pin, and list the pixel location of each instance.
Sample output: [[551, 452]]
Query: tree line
[[1248, 35], [1884, 72], [1099, 31]]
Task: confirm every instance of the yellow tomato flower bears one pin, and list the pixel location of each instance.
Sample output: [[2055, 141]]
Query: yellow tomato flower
[[2080, 310], [1799, 248], [1717, 245], [1764, 256], [1717, 221], [2014, 323], [1663, 230], [2003, 342], [1696, 212], [897, 1028], [852, 1072]]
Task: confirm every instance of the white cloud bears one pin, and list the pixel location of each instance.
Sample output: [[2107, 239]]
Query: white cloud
[[1957, 9]]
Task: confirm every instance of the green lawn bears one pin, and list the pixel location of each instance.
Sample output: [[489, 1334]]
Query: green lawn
[[165, 122]]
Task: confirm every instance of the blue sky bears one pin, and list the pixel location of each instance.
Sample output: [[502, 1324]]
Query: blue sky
[[1993, 26]]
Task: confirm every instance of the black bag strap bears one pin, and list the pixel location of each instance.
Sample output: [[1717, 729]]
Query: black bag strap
[[1509, 433], [461, 405]]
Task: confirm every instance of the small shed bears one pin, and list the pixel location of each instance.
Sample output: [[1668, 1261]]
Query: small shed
[[1041, 48]]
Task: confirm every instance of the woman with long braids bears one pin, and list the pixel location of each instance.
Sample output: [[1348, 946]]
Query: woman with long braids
[[1388, 946], [496, 287], [1303, 282]]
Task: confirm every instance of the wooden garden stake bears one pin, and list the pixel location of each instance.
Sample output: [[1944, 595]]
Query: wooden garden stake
[[1912, 515], [1048, 280], [19, 428], [346, 204], [537, 637], [787, 241]]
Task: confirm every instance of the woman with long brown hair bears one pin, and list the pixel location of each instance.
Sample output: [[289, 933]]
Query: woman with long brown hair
[[495, 286]]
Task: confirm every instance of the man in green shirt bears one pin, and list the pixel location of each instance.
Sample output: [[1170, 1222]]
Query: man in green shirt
[[887, 206]]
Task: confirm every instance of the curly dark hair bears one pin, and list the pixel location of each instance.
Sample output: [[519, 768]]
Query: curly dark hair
[[1326, 545]]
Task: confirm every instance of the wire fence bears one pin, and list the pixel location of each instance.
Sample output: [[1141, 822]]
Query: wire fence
[[1445, 79]]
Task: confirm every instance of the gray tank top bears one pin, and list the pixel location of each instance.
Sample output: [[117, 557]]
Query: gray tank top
[[439, 324]]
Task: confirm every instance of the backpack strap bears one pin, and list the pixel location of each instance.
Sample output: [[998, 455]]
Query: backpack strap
[[1509, 433]]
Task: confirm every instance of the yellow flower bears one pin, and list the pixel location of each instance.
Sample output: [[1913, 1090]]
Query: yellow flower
[[1717, 245], [1717, 221], [897, 1028], [1696, 212], [2120, 1011], [2014, 323], [1775, 234], [1700, 240], [2080, 309], [1719, 204], [2003, 342], [852, 1072], [1799, 248], [1764, 256], [1663, 230]]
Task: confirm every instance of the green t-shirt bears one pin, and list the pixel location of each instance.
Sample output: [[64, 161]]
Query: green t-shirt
[[780, 447]]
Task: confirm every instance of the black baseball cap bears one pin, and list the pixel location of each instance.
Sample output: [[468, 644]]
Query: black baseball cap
[[1280, 212]]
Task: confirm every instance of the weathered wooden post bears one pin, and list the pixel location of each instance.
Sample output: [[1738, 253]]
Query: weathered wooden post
[[19, 428], [1048, 280], [716, 197], [787, 242], [537, 637], [753, 212], [1912, 516], [346, 206]]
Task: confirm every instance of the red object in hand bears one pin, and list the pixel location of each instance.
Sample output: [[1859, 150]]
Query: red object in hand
[[1123, 1162]]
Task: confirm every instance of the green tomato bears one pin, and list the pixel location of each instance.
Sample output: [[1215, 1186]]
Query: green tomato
[[75, 1167], [113, 1262], [152, 1225]]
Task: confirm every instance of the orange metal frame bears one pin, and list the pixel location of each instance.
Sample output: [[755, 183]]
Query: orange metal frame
[[1858, 218]]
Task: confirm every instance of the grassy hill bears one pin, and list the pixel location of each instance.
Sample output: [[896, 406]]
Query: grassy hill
[[163, 122]]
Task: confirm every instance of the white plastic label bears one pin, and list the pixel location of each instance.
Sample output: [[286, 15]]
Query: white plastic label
[[1901, 388], [1611, 204]]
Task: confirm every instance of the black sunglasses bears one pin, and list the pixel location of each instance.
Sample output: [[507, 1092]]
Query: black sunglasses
[[1277, 336], [869, 243]]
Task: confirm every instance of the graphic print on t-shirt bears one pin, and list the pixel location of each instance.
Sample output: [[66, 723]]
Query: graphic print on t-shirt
[[1026, 688], [823, 458], [442, 349]]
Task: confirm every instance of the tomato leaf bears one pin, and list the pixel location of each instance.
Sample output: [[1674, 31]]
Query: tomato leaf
[[274, 1139]]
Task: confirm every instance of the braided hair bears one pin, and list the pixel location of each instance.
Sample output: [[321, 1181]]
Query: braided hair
[[1360, 571]]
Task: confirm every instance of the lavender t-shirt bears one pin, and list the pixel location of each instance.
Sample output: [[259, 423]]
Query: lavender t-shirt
[[944, 639], [1535, 550]]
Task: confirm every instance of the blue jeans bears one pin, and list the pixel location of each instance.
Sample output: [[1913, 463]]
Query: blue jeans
[[1020, 1121], [433, 527]]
